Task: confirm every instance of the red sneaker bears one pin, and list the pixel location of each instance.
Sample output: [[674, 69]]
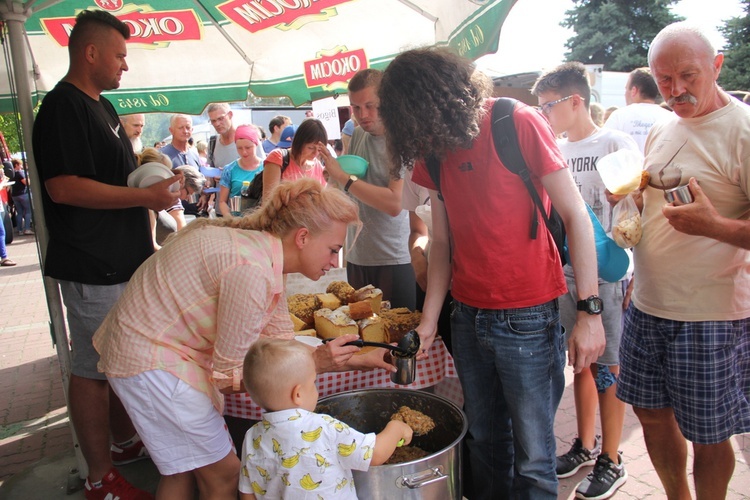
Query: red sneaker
[[115, 487], [133, 453]]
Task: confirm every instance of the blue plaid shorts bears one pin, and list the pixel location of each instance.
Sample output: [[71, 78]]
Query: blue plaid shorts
[[699, 369]]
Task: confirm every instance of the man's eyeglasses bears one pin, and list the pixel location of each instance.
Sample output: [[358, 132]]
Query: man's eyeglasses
[[219, 118], [546, 108]]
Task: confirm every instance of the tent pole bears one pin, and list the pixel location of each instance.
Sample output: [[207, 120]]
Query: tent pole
[[15, 15]]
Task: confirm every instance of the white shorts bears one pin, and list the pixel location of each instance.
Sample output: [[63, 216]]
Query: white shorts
[[179, 425]]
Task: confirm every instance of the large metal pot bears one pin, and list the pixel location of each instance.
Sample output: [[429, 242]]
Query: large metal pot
[[436, 476]]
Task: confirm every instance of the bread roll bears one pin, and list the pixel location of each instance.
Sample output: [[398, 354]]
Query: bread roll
[[304, 305], [340, 289]]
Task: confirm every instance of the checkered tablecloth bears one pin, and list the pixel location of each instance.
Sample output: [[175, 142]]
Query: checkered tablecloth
[[437, 370]]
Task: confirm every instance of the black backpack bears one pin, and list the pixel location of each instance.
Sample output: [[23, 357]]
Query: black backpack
[[252, 197], [509, 151]]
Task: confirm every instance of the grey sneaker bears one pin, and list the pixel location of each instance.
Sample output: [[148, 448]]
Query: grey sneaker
[[577, 457], [604, 480]]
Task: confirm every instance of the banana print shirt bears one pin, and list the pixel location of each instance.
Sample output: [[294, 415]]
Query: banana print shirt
[[303, 455]]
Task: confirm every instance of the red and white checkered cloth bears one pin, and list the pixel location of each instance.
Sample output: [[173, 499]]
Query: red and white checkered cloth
[[436, 370]]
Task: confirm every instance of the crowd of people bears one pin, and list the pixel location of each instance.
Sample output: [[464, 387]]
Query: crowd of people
[[161, 330]]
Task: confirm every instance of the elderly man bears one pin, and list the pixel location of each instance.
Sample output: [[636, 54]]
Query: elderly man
[[133, 125], [685, 352], [99, 232], [180, 152]]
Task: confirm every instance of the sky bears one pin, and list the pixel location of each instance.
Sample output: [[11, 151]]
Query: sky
[[532, 38]]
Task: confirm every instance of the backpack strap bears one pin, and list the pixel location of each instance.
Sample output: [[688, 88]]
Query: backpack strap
[[286, 157], [509, 151], [211, 149], [433, 168]]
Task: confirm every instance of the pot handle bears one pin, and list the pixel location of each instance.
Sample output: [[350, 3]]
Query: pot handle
[[414, 481]]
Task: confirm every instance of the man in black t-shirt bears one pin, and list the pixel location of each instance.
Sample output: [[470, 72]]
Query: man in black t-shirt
[[99, 231]]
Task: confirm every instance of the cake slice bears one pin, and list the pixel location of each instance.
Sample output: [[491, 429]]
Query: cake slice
[[369, 293], [334, 323]]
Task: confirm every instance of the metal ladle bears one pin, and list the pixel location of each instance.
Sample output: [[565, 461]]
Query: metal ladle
[[407, 347], [404, 355]]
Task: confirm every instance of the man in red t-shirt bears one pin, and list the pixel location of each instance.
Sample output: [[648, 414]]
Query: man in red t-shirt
[[506, 334]]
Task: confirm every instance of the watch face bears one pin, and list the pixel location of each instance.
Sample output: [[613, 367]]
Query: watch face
[[592, 305], [596, 305]]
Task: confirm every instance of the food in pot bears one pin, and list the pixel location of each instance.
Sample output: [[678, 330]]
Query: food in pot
[[628, 231], [406, 454], [418, 421]]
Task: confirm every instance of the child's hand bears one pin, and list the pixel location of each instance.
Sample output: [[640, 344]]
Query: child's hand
[[405, 431]]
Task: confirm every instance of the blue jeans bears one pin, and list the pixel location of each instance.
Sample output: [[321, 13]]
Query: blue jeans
[[23, 212], [510, 363]]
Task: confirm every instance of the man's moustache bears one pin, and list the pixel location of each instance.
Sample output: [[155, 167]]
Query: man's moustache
[[686, 97]]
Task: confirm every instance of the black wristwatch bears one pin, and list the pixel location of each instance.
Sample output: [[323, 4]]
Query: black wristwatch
[[352, 180], [592, 305]]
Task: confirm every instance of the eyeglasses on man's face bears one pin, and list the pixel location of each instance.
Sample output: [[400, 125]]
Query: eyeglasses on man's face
[[546, 108], [219, 118]]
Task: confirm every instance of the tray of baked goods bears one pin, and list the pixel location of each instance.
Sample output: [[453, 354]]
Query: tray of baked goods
[[342, 310]]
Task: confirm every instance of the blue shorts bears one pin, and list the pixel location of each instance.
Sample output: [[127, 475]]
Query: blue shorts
[[699, 369]]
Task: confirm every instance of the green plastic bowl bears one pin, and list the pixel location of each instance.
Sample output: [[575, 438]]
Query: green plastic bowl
[[353, 164]]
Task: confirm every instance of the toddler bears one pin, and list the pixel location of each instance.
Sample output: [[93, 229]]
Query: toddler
[[294, 452]]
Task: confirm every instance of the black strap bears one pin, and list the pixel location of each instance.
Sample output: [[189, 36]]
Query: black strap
[[211, 149], [509, 151], [433, 168], [285, 158]]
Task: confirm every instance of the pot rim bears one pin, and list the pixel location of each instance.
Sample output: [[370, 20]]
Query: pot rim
[[427, 395]]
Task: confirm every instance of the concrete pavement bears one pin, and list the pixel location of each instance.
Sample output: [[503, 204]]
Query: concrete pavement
[[36, 450]]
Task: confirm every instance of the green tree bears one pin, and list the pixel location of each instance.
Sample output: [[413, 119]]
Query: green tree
[[735, 74], [615, 33], [10, 124]]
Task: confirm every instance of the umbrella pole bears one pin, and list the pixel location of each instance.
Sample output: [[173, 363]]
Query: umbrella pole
[[15, 16]]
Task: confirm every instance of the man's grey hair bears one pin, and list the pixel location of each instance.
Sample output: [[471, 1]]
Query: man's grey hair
[[218, 106], [176, 117], [679, 29]]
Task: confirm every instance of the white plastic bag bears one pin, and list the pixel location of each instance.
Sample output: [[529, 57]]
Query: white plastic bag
[[626, 223]]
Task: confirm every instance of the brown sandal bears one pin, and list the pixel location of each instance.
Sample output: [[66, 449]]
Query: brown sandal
[[7, 263]]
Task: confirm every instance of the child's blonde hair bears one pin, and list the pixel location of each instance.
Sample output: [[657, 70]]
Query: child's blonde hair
[[149, 155], [273, 366]]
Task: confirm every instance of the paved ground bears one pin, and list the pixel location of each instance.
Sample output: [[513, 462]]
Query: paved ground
[[34, 425]]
